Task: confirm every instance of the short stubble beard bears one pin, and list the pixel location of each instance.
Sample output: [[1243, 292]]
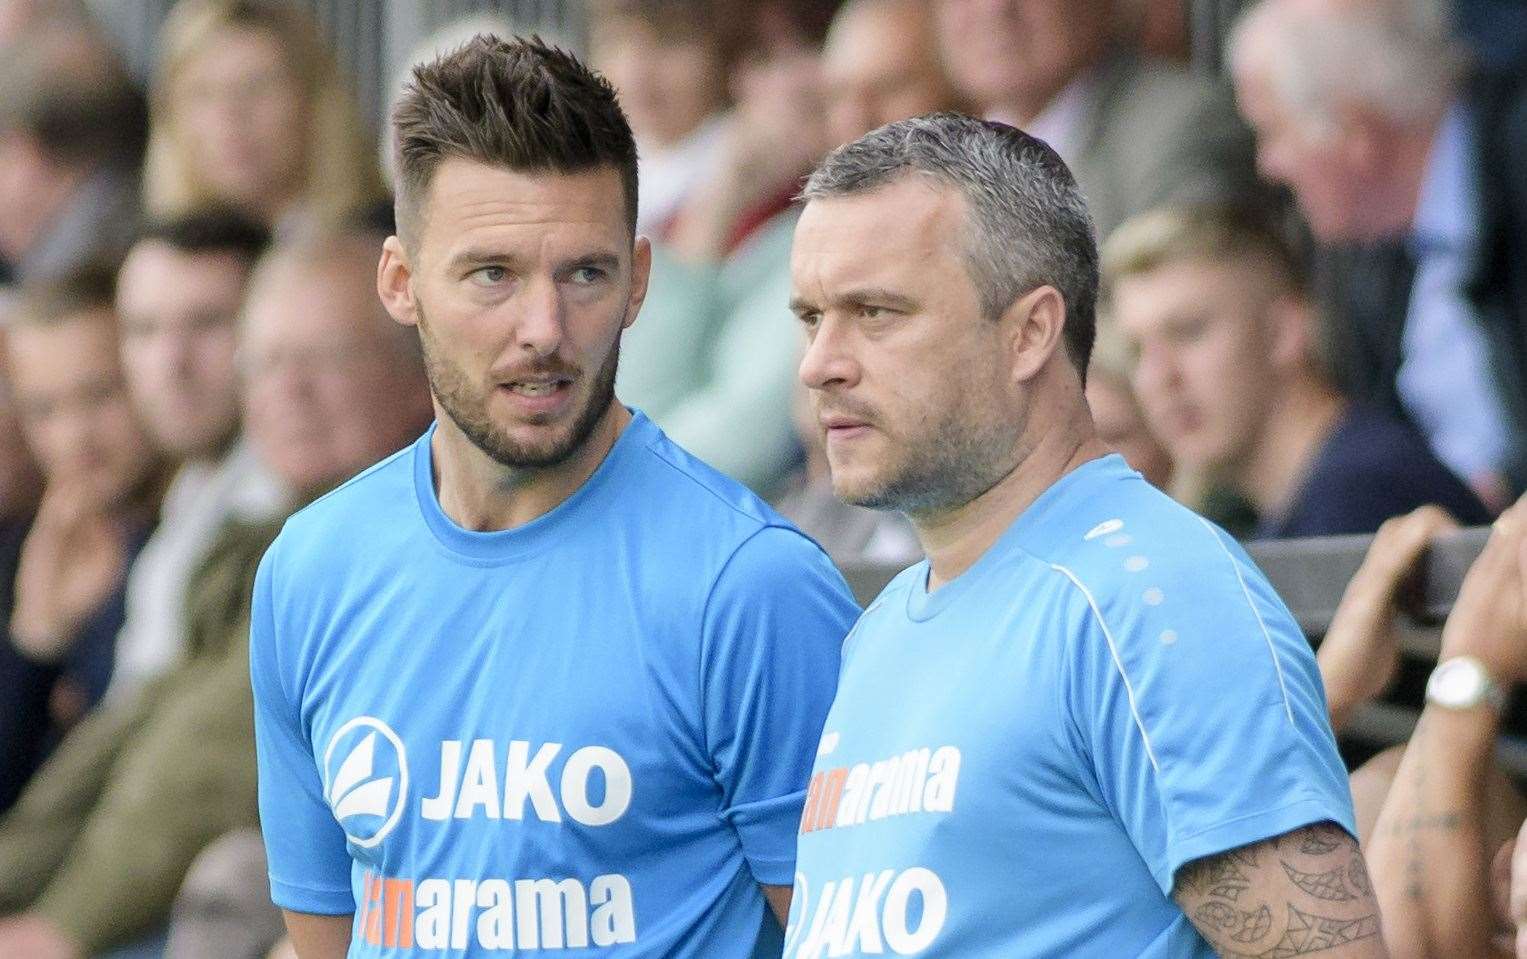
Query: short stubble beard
[[468, 409], [957, 461]]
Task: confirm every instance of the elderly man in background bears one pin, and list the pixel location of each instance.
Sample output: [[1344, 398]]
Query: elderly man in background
[[1414, 175], [95, 850], [1137, 131]]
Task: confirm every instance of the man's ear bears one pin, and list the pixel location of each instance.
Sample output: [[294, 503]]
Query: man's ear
[[641, 274], [1036, 325], [1290, 331], [394, 282]]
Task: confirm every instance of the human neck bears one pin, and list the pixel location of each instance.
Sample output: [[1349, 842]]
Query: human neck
[[479, 493], [1409, 156], [1281, 457], [955, 539]]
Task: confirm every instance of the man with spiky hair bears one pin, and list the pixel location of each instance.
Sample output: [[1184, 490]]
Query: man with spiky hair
[[542, 680]]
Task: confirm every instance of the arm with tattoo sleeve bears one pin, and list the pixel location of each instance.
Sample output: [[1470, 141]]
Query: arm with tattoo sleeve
[[1305, 893]]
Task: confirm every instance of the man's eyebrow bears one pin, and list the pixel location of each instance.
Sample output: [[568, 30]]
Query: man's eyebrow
[[474, 258], [876, 295], [860, 296], [607, 261], [481, 257]]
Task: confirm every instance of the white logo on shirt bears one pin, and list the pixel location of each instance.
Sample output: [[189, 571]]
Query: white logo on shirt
[[368, 786], [888, 912]]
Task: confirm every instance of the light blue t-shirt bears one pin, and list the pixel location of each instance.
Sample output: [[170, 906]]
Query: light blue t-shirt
[[590, 733], [1017, 764]]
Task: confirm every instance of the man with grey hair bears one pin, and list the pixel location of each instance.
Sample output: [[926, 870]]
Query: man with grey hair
[[1085, 725], [1413, 172]]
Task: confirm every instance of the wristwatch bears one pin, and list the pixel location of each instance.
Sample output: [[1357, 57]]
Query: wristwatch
[[1462, 682]]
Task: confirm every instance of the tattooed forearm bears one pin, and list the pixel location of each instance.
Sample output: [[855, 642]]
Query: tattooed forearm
[[1303, 893]]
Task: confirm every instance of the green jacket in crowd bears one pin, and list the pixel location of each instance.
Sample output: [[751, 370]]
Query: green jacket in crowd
[[103, 835]]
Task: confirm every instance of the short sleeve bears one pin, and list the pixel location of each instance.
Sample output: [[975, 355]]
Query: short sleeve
[[1198, 703], [773, 629], [309, 863]]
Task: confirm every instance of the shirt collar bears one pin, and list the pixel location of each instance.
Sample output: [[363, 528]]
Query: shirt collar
[[1446, 206]]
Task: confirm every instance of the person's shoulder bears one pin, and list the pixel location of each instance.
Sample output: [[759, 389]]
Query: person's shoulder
[[1127, 542], [351, 511], [1375, 466], [707, 514], [695, 494]]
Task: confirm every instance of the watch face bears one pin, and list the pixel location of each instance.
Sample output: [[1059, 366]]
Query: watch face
[[1459, 683], [1456, 682]]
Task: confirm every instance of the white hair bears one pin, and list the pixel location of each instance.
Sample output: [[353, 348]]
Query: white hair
[[1398, 58]]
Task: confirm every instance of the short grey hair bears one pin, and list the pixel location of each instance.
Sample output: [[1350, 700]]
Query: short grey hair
[[1397, 57], [1029, 223]]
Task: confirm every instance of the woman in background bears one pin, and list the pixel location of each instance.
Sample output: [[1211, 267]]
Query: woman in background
[[247, 107]]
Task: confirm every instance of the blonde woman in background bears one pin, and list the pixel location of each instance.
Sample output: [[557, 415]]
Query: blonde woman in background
[[248, 108]]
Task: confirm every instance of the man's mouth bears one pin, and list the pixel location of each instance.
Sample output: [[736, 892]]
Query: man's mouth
[[536, 387]]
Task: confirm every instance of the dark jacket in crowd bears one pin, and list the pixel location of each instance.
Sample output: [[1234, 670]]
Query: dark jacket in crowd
[[1367, 288]]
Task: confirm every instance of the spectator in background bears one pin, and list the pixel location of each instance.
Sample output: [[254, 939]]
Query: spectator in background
[[96, 511], [249, 109], [178, 297], [880, 64], [102, 839], [1138, 132], [670, 60], [712, 360], [71, 139], [1415, 176], [1218, 314], [23, 725]]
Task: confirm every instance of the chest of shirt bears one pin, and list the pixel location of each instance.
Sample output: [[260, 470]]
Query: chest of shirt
[[507, 710], [941, 723]]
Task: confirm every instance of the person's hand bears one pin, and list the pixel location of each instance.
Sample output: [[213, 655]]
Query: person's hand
[[1489, 620], [72, 560], [32, 937], [1512, 887], [1360, 655]]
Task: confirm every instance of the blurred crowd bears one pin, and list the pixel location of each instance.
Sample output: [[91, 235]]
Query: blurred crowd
[[1314, 319]]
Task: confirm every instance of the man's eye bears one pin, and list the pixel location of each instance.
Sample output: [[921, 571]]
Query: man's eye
[[585, 275], [489, 275]]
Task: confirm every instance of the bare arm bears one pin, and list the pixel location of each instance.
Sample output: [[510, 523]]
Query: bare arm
[[1360, 654], [1305, 893], [1430, 849], [318, 937]]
